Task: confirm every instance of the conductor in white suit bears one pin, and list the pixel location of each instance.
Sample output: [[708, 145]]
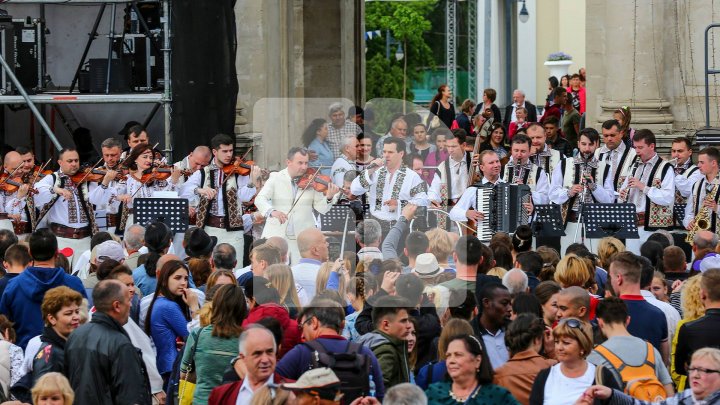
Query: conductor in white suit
[[288, 208]]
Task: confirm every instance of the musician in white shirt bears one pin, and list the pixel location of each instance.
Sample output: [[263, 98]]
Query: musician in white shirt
[[69, 213], [542, 154], [650, 186], [465, 208], [520, 170], [391, 186], [575, 178], [708, 162], [618, 156], [686, 173]]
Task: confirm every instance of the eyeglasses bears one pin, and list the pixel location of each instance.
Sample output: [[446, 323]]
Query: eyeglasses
[[307, 321], [702, 371], [573, 323]]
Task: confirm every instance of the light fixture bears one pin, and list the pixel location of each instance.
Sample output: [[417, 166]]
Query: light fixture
[[524, 15], [399, 54]]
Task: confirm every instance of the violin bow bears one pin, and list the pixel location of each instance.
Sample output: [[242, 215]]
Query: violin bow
[[9, 176], [312, 178], [242, 158], [87, 173], [35, 177]]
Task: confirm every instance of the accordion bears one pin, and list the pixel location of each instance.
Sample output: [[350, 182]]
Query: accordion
[[502, 206]]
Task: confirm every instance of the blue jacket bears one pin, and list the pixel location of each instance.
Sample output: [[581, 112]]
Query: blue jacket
[[24, 294], [297, 361]]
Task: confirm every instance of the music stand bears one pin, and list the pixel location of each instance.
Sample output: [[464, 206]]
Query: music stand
[[171, 211], [548, 221], [679, 215], [617, 220], [334, 220]]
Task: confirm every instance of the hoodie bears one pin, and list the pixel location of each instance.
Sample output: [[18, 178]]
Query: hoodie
[[24, 294], [391, 353], [291, 333]]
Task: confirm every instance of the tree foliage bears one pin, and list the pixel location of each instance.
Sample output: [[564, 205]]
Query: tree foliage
[[407, 21]]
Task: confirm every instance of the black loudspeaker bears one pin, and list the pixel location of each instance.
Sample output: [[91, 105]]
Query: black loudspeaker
[[203, 72], [120, 75], [22, 45]]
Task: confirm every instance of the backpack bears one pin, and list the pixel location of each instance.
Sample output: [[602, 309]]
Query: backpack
[[640, 381], [351, 367]]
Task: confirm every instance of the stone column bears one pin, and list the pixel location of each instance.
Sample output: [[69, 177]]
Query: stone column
[[632, 53]]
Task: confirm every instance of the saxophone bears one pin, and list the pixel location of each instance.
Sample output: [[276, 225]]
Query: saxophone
[[702, 219]]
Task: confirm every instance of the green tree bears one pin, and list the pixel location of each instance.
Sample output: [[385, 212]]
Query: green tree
[[407, 22]]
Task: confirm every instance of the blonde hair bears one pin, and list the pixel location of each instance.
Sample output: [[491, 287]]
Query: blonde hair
[[498, 272], [281, 278], [264, 396], [323, 276], [51, 383], [573, 270], [711, 353], [690, 302], [607, 248], [440, 244], [454, 327], [583, 335]]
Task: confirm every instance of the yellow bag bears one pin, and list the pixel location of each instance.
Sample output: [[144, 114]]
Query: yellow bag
[[186, 386], [186, 389]]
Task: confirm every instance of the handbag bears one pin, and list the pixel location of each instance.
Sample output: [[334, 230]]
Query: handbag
[[186, 387], [435, 122]]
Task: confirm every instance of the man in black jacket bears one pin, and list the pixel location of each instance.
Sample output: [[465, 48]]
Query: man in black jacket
[[519, 101], [705, 331], [101, 362]]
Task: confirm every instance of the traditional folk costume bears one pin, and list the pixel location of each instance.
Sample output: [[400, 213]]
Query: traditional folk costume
[[222, 216], [568, 173], [73, 220], [654, 205]]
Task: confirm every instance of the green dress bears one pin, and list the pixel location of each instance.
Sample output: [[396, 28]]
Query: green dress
[[489, 394]]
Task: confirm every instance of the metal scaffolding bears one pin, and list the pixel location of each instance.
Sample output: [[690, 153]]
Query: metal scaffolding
[[451, 44], [472, 50], [160, 99]]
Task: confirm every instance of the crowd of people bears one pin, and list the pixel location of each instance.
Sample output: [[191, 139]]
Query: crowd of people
[[258, 302]]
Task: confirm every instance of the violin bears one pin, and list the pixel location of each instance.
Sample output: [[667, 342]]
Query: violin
[[12, 184], [243, 168], [160, 173], [320, 182], [38, 172], [94, 175]]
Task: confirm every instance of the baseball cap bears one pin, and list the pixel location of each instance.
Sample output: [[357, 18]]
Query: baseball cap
[[321, 382]]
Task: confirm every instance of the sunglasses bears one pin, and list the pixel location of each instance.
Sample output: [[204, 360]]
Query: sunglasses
[[573, 323]]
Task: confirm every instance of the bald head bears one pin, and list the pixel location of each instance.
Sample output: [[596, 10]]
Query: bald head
[[281, 245], [573, 302], [311, 244], [164, 259], [705, 240], [12, 161], [199, 157]]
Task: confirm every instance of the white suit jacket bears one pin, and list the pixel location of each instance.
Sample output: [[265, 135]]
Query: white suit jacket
[[277, 194]]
